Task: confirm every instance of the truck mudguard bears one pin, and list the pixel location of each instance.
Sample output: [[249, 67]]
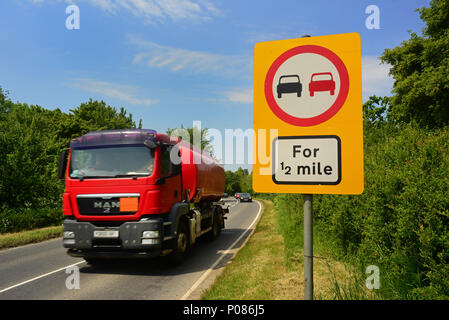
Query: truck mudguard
[[178, 210]]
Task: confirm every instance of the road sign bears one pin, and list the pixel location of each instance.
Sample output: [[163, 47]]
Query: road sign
[[307, 160], [310, 91]]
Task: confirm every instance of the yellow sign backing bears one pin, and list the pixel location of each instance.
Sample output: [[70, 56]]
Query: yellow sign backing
[[308, 116]]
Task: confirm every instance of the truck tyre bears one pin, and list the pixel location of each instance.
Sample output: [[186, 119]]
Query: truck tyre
[[181, 244], [216, 226]]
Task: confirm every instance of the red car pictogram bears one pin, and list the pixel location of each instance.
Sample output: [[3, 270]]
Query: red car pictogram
[[321, 85]]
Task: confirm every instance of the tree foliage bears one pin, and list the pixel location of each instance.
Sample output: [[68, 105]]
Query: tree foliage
[[195, 136], [401, 221], [238, 181], [420, 68], [31, 139]]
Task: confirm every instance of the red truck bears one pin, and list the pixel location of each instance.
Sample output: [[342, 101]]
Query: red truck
[[138, 193]]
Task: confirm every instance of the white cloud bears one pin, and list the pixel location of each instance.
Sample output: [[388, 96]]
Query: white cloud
[[153, 11], [254, 37], [110, 90], [155, 55], [240, 95], [375, 77]]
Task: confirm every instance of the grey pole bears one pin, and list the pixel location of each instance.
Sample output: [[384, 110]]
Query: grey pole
[[308, 242], [308, 247]]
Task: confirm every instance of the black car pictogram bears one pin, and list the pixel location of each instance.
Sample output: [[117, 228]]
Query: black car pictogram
[[289, 84]]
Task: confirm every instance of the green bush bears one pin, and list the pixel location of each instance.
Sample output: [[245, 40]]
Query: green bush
[[31, 139], [401, 221], [15, 220]]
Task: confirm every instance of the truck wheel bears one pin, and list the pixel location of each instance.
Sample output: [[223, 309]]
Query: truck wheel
[[216, 227], [181, 245]]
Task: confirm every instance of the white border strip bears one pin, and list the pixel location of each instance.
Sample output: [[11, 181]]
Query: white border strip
[[39, 277], [224, 253]]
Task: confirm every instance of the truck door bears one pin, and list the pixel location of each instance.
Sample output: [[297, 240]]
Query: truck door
[[171, 188]]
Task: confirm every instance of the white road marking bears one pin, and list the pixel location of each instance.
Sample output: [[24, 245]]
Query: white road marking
[[196, 284], [224, 253], [39, 277]]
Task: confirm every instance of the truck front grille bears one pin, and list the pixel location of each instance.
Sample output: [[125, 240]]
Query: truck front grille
[[100, 206]]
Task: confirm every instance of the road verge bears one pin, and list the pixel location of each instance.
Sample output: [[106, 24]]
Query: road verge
[[11, 240], [259, 270]]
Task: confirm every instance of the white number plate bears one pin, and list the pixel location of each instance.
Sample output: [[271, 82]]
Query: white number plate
[[106, 234]]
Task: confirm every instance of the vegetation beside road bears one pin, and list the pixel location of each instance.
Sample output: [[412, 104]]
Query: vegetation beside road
[[10, 240], [401, 221], [31, 139], [259, 270]]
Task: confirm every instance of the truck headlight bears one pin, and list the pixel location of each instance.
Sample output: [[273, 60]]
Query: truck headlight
[[150, 234], [69, 235]]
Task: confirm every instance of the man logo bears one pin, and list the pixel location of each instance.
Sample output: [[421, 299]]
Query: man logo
[[107, 205]]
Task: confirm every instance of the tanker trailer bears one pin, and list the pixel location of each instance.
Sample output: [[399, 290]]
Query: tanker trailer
[[137, 193]]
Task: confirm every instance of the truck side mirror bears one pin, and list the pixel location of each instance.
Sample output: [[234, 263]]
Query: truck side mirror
[[151, 144], [62, 164]]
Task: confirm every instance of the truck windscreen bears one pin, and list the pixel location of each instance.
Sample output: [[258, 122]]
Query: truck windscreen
[[111, 162]]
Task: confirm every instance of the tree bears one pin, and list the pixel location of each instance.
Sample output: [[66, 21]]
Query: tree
[[94, 116], [31, 139], [193, 134], [376, 111], [420, 68]]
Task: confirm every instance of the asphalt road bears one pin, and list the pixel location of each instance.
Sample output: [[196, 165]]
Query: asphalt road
[[38, 271]]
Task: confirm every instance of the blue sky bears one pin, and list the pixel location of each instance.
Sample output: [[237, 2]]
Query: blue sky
[[172, 62]]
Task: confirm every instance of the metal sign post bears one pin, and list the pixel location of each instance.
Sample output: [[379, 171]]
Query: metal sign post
[[309, 90], [308, 247]]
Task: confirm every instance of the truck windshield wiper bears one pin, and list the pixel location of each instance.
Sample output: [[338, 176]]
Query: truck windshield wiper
[[81, 178], [131, 174]]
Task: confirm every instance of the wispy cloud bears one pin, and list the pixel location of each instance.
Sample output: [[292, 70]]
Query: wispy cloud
[[253, 37], [110, 90], [155, 55], [239, 95], [375, 77], [154, 11]]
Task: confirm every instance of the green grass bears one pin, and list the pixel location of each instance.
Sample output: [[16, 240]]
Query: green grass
[[10, 240], [260, 270]]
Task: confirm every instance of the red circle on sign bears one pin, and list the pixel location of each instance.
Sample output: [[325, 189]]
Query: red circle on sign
[[329, 113]]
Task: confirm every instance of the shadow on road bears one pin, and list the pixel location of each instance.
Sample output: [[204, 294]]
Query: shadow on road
[[201, 257]]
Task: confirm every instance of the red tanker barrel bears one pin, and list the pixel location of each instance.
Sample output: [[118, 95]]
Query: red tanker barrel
[[201, 174]]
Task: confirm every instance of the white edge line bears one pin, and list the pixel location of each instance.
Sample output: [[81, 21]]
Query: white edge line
[[39, 277], [208, 271]]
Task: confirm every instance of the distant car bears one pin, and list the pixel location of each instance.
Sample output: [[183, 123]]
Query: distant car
[[317, 83], [224, 196], [237, 195], [289, 84], [245, 197]]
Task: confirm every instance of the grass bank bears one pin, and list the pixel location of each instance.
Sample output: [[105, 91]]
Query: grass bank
[[10, 240], [260, 270]]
